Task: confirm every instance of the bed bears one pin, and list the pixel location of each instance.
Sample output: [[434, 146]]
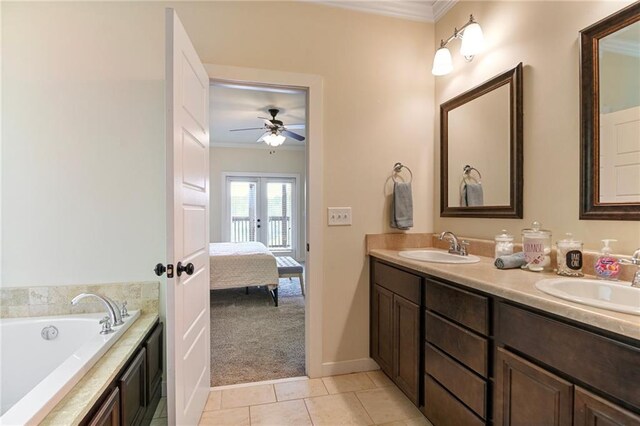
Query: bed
[[236, 265]]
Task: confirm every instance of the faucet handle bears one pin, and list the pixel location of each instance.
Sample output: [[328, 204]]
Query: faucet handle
[[123, 311], [463, 247], [106, 325]]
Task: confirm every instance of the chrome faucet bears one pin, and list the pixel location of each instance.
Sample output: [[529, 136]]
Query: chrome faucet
[[635, 260], [111, 307], [455, 247]]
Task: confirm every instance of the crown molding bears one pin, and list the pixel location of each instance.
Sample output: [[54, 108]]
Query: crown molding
[[423, 11], [622, 47]]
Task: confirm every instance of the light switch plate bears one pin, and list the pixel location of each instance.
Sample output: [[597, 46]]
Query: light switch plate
[[339, 216]]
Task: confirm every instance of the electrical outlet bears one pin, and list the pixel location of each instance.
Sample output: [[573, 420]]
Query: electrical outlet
[[339, 216]]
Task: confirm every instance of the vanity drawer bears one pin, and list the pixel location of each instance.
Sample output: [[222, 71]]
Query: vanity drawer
[[403, 283], [465, 346], [442, 409], [462, 383], [463, 307], [610, 366]]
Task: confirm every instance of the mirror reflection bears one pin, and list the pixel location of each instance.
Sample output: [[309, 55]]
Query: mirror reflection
[[479, 139], [619, 150]]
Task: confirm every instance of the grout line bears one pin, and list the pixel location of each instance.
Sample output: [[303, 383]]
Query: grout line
[[264, 382]]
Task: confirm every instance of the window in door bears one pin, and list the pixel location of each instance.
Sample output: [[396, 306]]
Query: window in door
[[262, 209]]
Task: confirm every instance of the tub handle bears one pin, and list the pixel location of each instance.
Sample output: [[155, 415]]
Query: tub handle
[[106, 325]]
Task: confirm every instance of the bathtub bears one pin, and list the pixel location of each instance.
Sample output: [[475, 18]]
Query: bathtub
[[35, 373]]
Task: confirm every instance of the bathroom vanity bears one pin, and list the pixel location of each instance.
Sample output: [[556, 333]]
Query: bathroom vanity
[[472, 345]]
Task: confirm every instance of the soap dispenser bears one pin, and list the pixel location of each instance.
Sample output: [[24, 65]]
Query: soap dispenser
[[607, 266]]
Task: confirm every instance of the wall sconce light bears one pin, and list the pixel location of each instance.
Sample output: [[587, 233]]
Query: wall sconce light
[[472, 42]]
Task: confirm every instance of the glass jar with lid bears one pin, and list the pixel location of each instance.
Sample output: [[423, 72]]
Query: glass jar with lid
[[536, 244], [570, 257], [504, 244]]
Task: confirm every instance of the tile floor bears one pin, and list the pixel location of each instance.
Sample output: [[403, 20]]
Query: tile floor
[[353, 399]]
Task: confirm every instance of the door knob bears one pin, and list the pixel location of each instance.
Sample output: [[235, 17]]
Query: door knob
[[188, 268], [161, 269]]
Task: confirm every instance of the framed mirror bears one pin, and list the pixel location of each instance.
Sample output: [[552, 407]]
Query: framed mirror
[[481, 150], [610, 117]]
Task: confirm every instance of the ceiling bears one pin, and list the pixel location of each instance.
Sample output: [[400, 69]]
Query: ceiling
[[425, 10], [238, 106]]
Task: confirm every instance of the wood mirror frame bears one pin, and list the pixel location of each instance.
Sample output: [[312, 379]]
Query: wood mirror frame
[[513, 78], [590, 205]]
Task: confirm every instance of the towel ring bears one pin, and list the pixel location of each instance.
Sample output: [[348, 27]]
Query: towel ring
[[397, 168], [466, 172]]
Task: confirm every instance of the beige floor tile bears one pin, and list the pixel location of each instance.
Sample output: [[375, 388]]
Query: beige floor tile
[[228, 417], [337, 410], [214, 402], [251, 395], [348, 383], [379, 378], [300, 389], [162, 406], [387, 405], [288, 413], [160, 421], [418, 421]]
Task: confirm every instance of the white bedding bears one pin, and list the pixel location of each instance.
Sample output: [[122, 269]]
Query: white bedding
[[242, 265]]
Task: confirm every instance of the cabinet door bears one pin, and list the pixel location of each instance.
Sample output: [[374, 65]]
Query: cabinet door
[[133, 395], [406, 347], [526, 394], [591, 410], [109, 412], [382, 328], [153, 346]]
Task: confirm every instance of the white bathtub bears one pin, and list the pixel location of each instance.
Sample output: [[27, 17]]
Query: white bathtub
[[35, 374]]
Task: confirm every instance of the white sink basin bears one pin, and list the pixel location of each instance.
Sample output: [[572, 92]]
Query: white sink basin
[[611, 295], [438, 256]]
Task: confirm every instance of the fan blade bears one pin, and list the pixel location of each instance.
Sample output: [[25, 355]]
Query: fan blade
[[292, 135], [250, 128], [295, 126], [261, 139], [268, 122]]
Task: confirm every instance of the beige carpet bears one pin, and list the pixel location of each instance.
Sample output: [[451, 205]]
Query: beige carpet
[[251, 339]]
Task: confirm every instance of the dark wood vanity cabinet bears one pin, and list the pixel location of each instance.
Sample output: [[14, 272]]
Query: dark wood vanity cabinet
[[134, 395], [483, 360], [395, 326]]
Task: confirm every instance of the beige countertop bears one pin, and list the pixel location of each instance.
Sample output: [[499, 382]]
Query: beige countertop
[[77, 403], [518, 286]]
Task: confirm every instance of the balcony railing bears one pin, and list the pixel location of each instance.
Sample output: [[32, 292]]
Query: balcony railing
[[243, 229]]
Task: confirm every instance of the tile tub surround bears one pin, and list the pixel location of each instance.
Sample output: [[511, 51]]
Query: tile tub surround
[[518, 286], [35, 301], [81, 398]]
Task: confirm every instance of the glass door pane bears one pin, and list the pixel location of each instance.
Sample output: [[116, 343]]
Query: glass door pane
[[279, 215], [243, 211]]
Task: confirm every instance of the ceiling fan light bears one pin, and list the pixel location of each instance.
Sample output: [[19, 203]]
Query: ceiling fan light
[[472, 40], [442, 64], [274, 139]]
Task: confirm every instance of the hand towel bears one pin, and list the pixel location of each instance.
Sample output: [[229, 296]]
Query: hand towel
[[402, 206], [472, 195], [511, 261]]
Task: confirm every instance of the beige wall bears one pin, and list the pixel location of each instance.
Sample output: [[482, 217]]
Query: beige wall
[[87, 118], [544, 36], [253, 160]]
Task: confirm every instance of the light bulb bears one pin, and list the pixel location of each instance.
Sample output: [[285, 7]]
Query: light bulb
[[274, 139], [442, 62], [472, 41]]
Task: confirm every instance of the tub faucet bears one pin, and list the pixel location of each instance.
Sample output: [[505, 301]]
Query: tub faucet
[[455, 247], [635, 260], [110, 306]]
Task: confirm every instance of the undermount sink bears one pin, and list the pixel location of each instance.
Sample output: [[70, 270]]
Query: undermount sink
[[438, 256], [611, 295]]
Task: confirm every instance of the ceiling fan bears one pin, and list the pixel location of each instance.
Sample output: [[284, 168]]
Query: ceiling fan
[[275, 130]]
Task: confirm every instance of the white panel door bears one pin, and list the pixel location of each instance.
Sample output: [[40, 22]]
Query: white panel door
[[620, 156], [188, 345]]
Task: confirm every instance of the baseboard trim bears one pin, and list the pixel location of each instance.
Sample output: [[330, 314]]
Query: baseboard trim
[[351, 366]]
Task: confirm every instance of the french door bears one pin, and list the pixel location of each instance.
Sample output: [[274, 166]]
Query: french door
[[263, 209]]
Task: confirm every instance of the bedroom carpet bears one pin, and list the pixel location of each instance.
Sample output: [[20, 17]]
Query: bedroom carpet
[[251, 339]]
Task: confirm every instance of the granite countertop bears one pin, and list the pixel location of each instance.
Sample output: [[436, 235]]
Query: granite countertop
[[518, 286], [77, 403]]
